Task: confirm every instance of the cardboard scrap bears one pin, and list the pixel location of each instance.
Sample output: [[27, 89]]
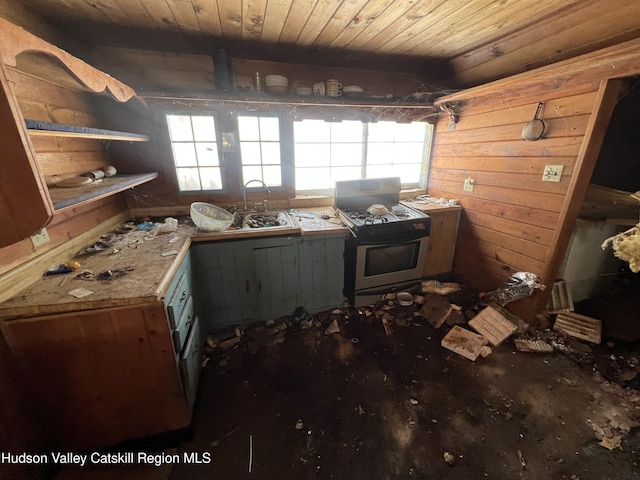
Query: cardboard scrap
[[464, 342], [492, 325], [579, 326], [436, 309], [80, 292], [537, 346]]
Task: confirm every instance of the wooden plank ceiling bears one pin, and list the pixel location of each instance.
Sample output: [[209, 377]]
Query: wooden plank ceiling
[[456, 43]]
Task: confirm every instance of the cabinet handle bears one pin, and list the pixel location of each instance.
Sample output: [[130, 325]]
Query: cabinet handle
[[259, 286], [184, 295]]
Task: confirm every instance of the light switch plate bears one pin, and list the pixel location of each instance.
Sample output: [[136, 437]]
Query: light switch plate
[[552, 173], [469, 183], [40, 237]]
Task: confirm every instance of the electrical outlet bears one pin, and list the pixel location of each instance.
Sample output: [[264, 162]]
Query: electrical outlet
[[40, 237], [469, 183], [552, 173]]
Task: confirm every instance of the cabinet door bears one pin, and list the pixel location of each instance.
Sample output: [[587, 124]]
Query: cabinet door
[[225, 285], [321, 271], [191, 363], [278, 280]]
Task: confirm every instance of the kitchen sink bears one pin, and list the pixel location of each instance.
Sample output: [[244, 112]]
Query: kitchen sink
[[263, 220]]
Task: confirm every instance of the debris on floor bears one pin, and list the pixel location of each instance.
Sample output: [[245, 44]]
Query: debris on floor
[[464, 342], [492, 325], [579, 326]]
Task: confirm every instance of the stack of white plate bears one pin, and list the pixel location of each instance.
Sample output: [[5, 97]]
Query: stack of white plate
[[304, 91], [352, 91], [276, 83]]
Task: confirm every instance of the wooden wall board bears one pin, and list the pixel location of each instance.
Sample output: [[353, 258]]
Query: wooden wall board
[[513, 226], [523, 165], [565, 146]]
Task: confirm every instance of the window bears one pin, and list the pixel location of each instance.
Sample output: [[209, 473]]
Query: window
[[260, 154], [329, 151], [195, 152]]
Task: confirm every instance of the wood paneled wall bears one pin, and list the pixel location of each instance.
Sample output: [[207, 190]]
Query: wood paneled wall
[[512, 220]]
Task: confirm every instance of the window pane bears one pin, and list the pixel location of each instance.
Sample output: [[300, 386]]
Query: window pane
[[271, 153], [204, 128], [248, 128], [252, 173], [347, 131], [407, 152], [312, 155], [381, 154], [269, 129], [313, 178], [344, 154], [379, 171], [250, 153], [179, 128], [184, 155], [211, 178], [381, 132], [188, 179], [272, 176], [207, 154], [345, 173], [408, 173], [411, 132], [312, 131]]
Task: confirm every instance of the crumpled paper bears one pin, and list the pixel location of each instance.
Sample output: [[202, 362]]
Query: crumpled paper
[[519, 285]]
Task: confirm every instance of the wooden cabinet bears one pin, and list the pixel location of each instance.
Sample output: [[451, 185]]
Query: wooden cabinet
[[442, 241], [103, 375], [50, 105], [249, 280]]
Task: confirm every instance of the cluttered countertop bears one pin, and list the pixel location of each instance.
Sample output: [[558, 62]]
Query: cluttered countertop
[[131, 266]]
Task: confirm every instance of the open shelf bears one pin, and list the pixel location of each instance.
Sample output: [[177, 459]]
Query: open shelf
[[63, 197], [36, 127]]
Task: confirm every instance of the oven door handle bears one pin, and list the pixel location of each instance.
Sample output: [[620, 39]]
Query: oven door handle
[[394, 239]]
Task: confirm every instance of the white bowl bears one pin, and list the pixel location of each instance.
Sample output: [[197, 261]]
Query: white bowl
[[276, 80], [210, 218], [404, 298], [352, 88], [304, 90]]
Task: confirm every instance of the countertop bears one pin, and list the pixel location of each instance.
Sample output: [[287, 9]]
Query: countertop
[[142, 266]]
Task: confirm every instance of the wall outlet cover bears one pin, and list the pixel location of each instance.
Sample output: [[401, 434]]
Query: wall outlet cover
[[40, 237], [552, 173]]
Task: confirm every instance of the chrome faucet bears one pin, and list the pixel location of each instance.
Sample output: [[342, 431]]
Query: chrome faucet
[[244, 191]]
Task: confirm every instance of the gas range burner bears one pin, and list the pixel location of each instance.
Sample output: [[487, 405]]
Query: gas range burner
[[373, 219]]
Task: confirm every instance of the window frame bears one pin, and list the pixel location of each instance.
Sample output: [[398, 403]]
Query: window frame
[[221, 159], [257, 186]]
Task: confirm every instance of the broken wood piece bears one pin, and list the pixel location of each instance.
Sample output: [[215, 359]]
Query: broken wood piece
[[579, 326], [435, 309], [464, 342], [387, 328], [560, 299], [333, 328], [492, 325], [434, 286], [536, 346]]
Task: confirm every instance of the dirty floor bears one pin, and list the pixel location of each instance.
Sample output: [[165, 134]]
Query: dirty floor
[[361, 404]]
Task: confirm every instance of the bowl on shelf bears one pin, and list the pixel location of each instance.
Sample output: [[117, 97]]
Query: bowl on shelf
[[210, 218], [304, 91], [353, 91]]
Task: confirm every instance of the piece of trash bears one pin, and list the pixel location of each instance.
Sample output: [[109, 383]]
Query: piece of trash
[[360, 410], [436, 309], [169, 253], [523, 462], [170, 225], [232, 342], [561, 299], [464, 342], [537, 346], [333, 328], [449, 459], [336, 311], [493, 326], [354, 340], [250, 452], [147, 226], [485, 351], [579, 326], [387, 327], [59, 270], [226, 435], [174, 239], [86, 275], [413, 401], [304, 460], [299, 424], [80, 292], [434, 286], [519, 285], [97, 247]]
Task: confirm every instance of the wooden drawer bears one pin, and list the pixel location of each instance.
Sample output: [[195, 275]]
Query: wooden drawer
[[191, 363], [184, 323], [179, 299]]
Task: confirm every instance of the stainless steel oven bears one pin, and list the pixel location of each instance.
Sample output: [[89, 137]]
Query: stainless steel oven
[[388, 245]]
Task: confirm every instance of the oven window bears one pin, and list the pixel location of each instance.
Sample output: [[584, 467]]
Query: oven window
[[391, 258]]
